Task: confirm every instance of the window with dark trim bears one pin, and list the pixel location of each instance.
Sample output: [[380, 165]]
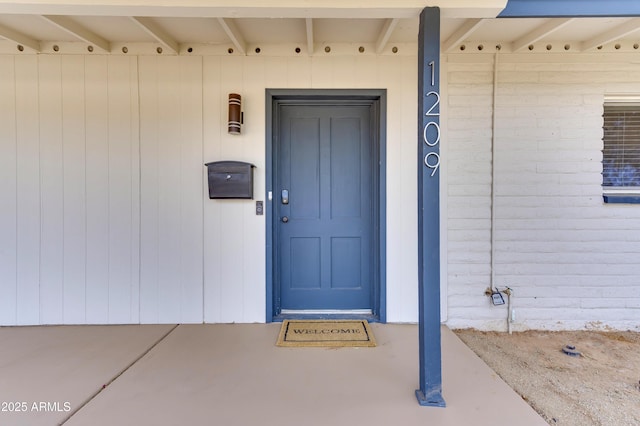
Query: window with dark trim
[[621, 153]]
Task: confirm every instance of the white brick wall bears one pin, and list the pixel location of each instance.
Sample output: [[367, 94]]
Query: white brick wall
[[572, 261]]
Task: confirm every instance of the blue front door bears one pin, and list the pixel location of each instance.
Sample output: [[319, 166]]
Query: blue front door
[[323, 205]]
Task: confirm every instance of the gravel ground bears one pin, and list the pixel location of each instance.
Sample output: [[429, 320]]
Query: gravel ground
[[601, 386]]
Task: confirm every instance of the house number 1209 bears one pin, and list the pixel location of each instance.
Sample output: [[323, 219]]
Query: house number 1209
[[432, 159]]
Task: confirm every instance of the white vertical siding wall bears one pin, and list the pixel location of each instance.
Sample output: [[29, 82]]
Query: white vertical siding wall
[[171, 138], [105, 215], [9, 193], [97, 184], [28, 209], [124, 190], [69, 218], [572, 260]]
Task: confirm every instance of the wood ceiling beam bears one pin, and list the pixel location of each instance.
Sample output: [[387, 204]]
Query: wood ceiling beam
[[234, 34], [155, 31], [20, 38], [466, 29], [539, 33], [354, 9], [385, 34], [71, 27], [614, 34]]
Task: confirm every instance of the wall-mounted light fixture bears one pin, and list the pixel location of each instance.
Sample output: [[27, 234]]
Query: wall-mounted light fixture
[[235, 113]]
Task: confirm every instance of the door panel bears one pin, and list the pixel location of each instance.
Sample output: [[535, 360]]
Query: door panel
[[346, 179], [346, 252], [302, 171], [324, 232], [305, 263]]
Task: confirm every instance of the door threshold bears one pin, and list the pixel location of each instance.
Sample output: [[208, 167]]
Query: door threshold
[[328, 314]]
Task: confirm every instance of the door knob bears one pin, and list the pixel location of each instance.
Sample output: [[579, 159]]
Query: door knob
[[285, 219]]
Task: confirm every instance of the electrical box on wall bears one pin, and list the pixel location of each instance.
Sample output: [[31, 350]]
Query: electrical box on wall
[[230, 179]]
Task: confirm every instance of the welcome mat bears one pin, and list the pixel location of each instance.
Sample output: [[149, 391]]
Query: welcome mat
[[333, 334]]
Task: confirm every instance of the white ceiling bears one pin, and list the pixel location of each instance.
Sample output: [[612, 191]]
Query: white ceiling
[[37, 32]]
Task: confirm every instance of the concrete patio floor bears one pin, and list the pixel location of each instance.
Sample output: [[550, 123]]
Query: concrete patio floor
[[233, 374]]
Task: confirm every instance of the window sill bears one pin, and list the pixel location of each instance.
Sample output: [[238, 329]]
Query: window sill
[[621, 194], [621, 198]]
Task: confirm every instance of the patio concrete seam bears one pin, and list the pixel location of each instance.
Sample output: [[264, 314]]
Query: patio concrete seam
[[113, 379]]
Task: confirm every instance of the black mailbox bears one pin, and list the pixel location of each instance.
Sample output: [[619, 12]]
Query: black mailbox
[[230, 179]]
